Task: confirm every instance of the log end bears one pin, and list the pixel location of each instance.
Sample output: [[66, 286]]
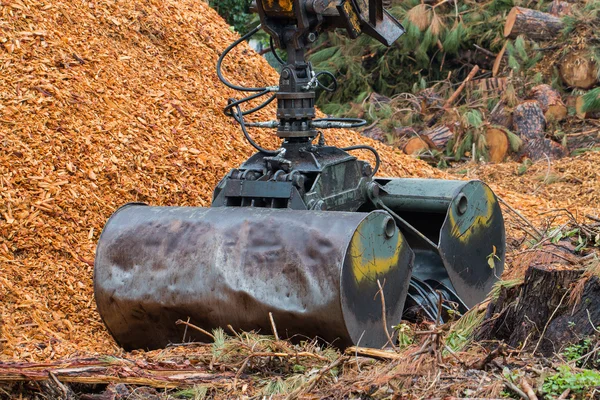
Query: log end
[[578, 70], [497, 144], [510, 21], [415, 145]]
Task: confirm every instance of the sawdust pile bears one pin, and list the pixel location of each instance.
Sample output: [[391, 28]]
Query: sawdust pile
[[103, 103]]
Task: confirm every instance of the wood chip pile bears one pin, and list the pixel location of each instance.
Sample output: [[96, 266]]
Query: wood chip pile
[[571, 184], [103, 103]]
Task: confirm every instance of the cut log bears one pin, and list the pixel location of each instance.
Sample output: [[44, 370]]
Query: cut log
[[550, 101], [544, 304], [528, 120], [501, 115], [539, 149], [585, 114], [375, 133], [534, 25], [416, 145], [578, 69], [497, 144], [440, 135], [560, 8], [529, 123], [500, 60]]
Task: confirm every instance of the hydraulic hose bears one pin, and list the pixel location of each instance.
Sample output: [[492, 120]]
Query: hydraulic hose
[[224, 54], [371, 149]]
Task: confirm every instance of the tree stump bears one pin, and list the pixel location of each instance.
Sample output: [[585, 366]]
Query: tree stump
[[578, 69], [439, 136], [550, 101], [416, 145], [544, 302], [529, 123], [535, 25], [497, 144]]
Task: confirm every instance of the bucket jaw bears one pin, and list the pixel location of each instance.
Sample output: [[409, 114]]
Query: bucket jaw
[[457, 232], [316, 272]]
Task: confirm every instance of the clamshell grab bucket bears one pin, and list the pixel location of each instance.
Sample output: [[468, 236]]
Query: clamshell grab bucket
[[456, 231], [316, 272]]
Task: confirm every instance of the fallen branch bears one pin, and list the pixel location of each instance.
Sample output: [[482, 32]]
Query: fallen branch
[[207, 333], [384, 316], [374, 353], [484, 361], [528, 389]]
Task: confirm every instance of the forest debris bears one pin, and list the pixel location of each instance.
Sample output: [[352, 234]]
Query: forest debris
[[484, 361], [374, 353], [459, 90], [535, 25], [528, 389]]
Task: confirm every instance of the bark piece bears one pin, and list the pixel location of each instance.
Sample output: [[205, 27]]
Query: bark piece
[[416, 145], [497, 144], [550, 101], [535, 25], [440, 135], [577, 69]]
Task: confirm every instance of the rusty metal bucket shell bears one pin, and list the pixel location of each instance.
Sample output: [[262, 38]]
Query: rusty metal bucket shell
[[317, 273]]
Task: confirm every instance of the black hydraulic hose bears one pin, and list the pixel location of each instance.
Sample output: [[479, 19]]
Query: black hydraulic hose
[[274, 52], [239, 117], [260, 106], [371, 149], [233, 103], [334, 85], [222, 56]]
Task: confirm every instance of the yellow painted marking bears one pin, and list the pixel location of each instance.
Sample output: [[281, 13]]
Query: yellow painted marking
[[482, 220], [286, 5], [366, 264], [353, 16]]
